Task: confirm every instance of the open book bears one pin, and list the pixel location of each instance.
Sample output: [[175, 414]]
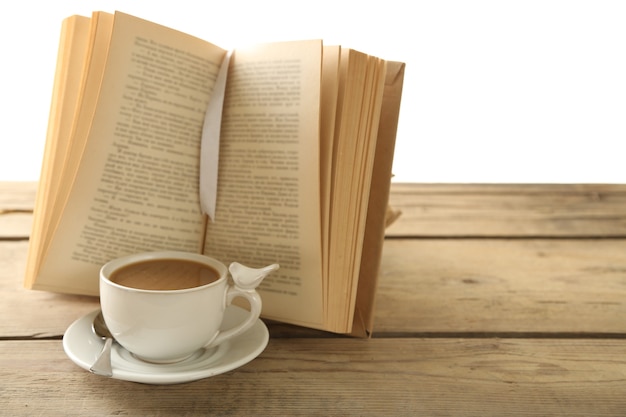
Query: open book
[[305, 153]]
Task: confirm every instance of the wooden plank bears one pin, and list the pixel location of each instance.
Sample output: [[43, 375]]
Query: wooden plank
[[40, 314], [503, 210], [452, 209], [33, 313], [15, 225], [499, 285], [16, 205], [400, 377], [426, 286], [16, 195]]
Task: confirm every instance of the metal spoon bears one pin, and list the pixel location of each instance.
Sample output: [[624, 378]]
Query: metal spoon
[[102, 365]]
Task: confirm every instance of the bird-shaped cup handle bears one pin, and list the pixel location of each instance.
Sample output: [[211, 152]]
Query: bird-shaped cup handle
[[246, 280]]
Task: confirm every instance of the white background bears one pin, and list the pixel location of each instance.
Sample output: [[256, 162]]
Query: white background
[[495, 91]]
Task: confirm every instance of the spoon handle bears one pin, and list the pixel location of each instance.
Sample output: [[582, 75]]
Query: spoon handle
[[102, 365]]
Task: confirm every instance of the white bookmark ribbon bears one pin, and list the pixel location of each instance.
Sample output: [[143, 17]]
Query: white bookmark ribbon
[[210, 145]]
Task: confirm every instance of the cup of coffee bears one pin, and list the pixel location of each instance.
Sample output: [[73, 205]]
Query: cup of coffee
[[164, 306]]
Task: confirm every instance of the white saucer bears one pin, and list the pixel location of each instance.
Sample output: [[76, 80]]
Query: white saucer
[[82, 346]]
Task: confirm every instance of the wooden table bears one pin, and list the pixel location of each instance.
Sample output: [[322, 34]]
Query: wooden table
[[493, 300]]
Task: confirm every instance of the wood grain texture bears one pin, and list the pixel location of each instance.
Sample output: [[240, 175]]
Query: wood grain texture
[[33, 314], [17, 195], [499, 286], [493, 301], [426, 286], [340, 377], [17, 200], [508, 210], [496, 210]]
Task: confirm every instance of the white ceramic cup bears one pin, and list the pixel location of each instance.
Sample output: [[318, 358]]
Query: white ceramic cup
[[165, 326]]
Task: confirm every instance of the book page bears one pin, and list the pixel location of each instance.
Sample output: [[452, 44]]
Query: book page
[[268, 200], [73, 48], [378, 201], [330, 91], [359, 104], [136, 183], [363, 169]]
